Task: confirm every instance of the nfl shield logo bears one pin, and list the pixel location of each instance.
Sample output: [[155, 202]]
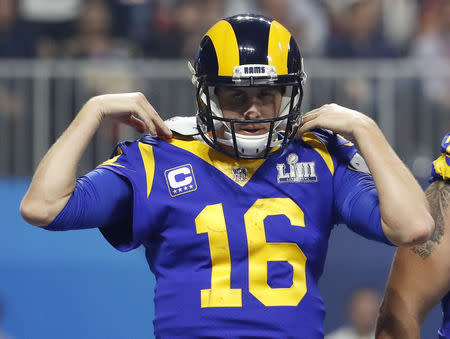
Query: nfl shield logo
[[240, 174]]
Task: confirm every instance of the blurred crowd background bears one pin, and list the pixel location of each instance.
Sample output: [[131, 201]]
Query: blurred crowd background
[[387, 58], [171, 28]]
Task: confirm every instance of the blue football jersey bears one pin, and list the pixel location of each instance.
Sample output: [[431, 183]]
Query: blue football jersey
[[237, 246]]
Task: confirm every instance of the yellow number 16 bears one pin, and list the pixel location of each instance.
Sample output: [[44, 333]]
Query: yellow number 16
[[211, 220]]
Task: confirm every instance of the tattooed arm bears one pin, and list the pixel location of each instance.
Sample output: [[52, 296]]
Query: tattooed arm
[[420, 276], [438, 198]]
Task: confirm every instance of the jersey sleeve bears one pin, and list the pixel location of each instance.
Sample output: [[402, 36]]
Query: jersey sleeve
[[113, 198], [356, 201], [440, 168], [357, 204], [133, 161], [100, 199]]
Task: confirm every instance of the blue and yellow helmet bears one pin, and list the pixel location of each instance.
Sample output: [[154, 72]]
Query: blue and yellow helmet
[[248, 50]]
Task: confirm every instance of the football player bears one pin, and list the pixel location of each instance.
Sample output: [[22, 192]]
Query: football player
[[234, 212], [420, 276]]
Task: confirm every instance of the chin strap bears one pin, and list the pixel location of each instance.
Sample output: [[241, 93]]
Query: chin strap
[[250, 144]]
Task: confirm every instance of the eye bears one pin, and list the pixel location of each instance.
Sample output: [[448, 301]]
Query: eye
[[237, 96], [266, 93]]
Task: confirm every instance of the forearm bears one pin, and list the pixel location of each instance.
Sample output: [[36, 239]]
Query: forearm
[[403, 208], [397, 325], [405, 304], [55, 177]]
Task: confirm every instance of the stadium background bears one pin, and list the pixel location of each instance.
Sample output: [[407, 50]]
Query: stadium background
[[386, 58]]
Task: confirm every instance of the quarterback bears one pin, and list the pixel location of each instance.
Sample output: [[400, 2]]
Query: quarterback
[[234, 206]]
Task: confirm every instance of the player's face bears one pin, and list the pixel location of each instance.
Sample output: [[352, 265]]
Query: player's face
[[250, 103]]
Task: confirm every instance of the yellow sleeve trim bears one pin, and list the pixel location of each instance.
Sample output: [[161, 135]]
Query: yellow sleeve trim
[[312, 140], [348, 143], [149, 164]]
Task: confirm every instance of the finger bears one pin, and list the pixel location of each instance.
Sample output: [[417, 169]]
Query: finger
[[318, 109], [134, 122], [306, 127], [147, 122], [152, 128], [138, 124], [322, 109], [159, 124], [146, 116], [310, 116], [315, 110]]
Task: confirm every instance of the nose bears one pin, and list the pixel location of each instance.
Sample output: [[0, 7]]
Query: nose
[[253, 112]]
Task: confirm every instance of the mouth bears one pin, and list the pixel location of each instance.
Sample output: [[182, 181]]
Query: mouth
[[251, 129]]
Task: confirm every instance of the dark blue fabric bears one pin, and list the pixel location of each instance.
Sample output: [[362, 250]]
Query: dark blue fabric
[[100, 199], [358, 204]]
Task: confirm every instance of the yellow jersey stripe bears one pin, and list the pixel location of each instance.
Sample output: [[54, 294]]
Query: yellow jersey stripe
[[278, 47], [112, 161], [224, 40], [348, 143], [312, 140], [149, 164]]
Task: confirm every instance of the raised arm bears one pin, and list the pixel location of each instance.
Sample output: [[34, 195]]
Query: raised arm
[[420, 276], [55, 177], [403, 207]]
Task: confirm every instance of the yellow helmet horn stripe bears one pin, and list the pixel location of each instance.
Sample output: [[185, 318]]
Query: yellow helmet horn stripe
[[224, 40], [278, 49]]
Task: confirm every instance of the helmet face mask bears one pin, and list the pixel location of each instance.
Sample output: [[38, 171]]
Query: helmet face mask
[[248, 51]]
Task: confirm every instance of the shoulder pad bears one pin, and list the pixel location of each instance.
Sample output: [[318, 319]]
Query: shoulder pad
[[358, 164], [183, 126]]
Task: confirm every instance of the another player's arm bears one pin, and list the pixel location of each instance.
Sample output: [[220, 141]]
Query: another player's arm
[[403, 207], [55, 178], [420, 275]]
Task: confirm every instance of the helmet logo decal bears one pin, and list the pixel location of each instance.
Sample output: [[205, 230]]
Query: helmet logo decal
[[298, 171], [257, 71]]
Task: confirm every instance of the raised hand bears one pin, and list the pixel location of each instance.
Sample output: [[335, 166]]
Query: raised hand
[[132, 109], [55, 177], [336, 118]]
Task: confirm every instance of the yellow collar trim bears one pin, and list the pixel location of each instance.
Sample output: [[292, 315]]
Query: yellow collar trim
[[222, 162], [312, 140]]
